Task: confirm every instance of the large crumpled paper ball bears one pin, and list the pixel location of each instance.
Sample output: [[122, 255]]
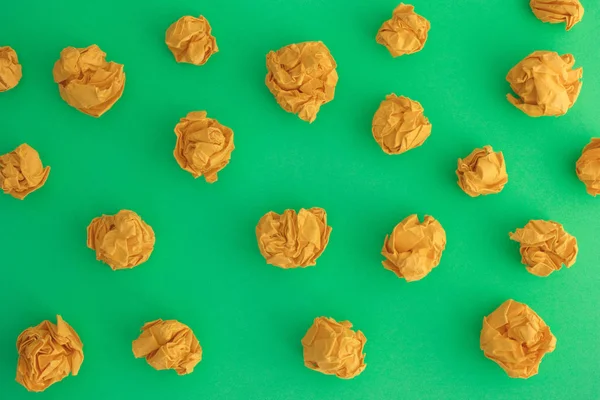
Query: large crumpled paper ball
[[48, 353], [588, 167], [22, 172], [168, 345], [293, 240], [87, 81], [482, 172], [405, 33], [516, 338], [122, 240], [190, 40], [333, 348], [557, 11], [302, 77], [10, 69], [545, 83], [545, 247]]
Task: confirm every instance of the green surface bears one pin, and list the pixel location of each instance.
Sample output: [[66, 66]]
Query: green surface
[[206, 271]]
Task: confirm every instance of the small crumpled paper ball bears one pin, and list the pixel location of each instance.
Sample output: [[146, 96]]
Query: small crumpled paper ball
[[588, 167], [399, 124], [555, 12], [333, 348], [86, 81], [546, 84], [122, 240], [405, 33], [302, 77], [190, 40], [10, 69], [414, 248], [482, 172], [293, 240], [516, 338], [203, 145], [48, 353], [545, 247], [168, 345], [22, 172]]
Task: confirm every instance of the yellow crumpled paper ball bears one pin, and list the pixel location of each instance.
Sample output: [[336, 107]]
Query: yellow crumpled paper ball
[[482, 172], [190, 40], [414, 248], [588, 167], [203, 145], [545, 247], [86, 81], [48, 353], [545, 83], [302, 77], [516, 338], [405, 33], [293, 240], [22, 172], [333, 348], [122, 240], [10, 69], [557, 11], [168, 345]]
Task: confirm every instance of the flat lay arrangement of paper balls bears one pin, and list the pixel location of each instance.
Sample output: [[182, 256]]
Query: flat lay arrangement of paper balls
[[278, 235]]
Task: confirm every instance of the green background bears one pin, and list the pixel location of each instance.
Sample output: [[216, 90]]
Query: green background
[[206, 270]]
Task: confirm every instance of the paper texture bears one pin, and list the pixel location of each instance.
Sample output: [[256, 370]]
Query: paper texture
[[516, 338], [588, 167], [10, 69], [302, 77], [122, 240], [203, 145], [168, 345], [399, 124], [482, 172], [545, 83], [557, 11], [22, 172], [86, 81], [414, 248], [190, 40], [545, 247], [405, 33], [293, 240], [48, 353], [333, 348]]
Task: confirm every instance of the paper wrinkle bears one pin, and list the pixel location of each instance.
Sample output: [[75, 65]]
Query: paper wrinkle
[[545, 247], [545, 83], [293, 240], [302, 77], [48, 353], [557, 11], [482, 172], [10, 69], [516, 338], [333, 348], [122, 240], [87, 81], [168, 345], [588, 167], [22, 172], [190, 40], [203, 145], [405, 33]]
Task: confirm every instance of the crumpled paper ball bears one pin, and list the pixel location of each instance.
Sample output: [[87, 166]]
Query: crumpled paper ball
[[482, 172], [168, 345], [399, 124], [48, 353], [414, 248], [190, 40], [293, 240], [545, 83], [516, 338], [122, 240], [302, 77], [86, 81], [203, 145], [545, 247], [555, 12], [588, 167], [10, 69], [405, 33], [333, 348], [22, 172]]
